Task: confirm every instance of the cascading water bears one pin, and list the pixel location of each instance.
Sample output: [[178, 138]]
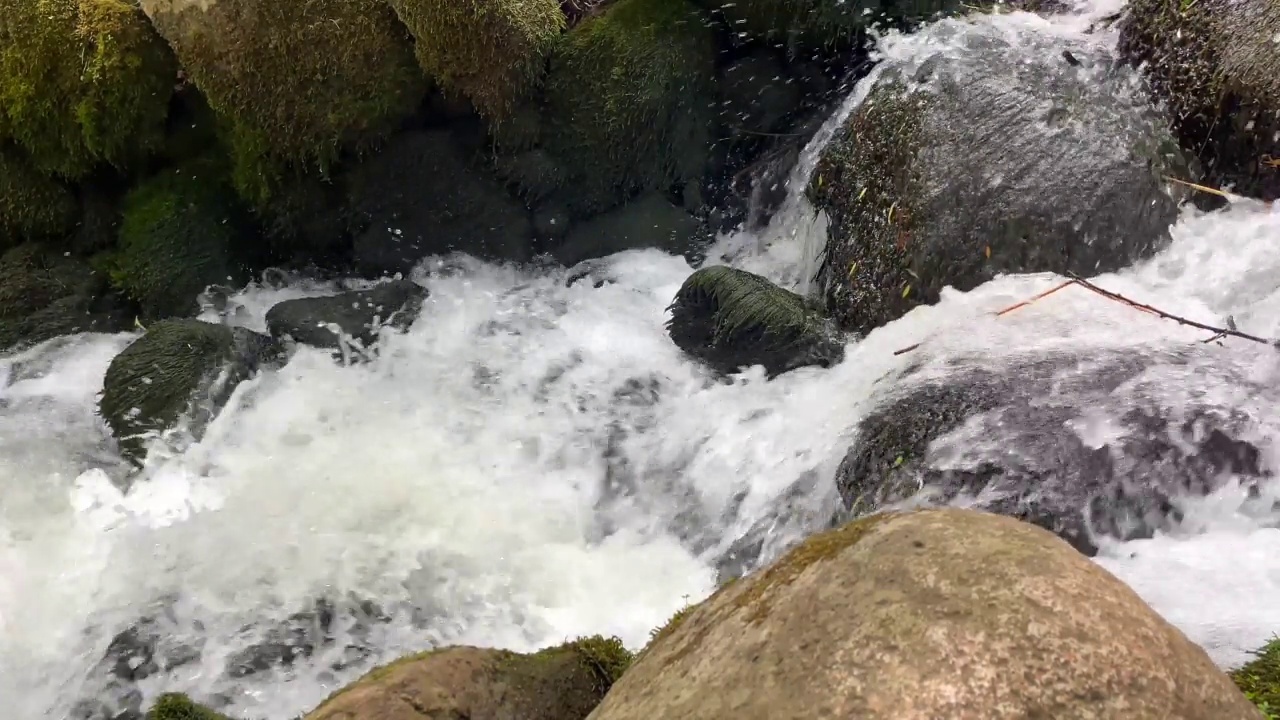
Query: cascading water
[[534, 461]]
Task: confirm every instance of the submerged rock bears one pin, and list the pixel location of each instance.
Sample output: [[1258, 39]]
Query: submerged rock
[[358, 314], [178, 368], [923, 615], [1216, 63], [559, 683], [1007, 158], [422, 196], [730, 319], [45, 293], [1092, 446], [646, 222]]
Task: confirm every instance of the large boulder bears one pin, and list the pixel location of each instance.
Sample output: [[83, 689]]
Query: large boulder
[[627, 102], [182, 230], [45, 293], [492, 52], [1004, 154], [179, 369], [358, 314], [1083, 445], [423, 195], [33, 206], [296, 83], [82, 82], [731, 319], [923, 615], [1216, 64], [559, 683]]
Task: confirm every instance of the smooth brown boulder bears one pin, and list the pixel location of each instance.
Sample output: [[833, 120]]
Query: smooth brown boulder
[[954, 614], [559, 683]]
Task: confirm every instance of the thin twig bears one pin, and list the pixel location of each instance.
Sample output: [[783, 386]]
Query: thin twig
[[1044, 294]]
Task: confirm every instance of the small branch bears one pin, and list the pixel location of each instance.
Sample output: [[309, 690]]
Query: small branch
[[1044, 294]]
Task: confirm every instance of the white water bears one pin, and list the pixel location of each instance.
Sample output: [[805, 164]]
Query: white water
[[463, 473]]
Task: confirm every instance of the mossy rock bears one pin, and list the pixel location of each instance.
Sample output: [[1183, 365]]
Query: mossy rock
[[559, 683], [295, 83], [1216, 64], [357, 314], [175, 706], [82, 82], [628, 101], [491, 51], [730, 319], [44, 293], [33, 206], [1259, 679], [821, 24], [918, 201], [181, 232], [178, 368]]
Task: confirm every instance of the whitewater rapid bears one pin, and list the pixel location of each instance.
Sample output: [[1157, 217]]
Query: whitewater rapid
[[533, 461]]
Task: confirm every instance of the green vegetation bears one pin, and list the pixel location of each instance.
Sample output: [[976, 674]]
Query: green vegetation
[[491, 51], [173, 706], [745, 305], [82, 82], [1259, 679], [606, 657], [32, 205], [627, 104], [45, 293]]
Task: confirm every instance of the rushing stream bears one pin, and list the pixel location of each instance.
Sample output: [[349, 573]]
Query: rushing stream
[[534, 461]]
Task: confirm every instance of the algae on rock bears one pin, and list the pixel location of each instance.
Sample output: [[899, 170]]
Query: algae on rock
[[295, 83], [32, 204], [491, 51], [82, 82], [628, 101], [45, 293]]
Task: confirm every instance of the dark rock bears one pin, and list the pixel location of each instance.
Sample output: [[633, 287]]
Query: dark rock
[[804, 27], [423, 196], [757, 94], [1216, 63], [358, 314], [45, 293], [730, 319], [647, 222], [178, 368], [1084, 447], [1006, 158]]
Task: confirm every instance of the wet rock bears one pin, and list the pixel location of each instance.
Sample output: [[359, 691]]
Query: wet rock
[[358, 314], [179, 368], [423, 196], [646, 222], [559, 683], [1007, 158], [1083, 446], [1216, 63], [808, 26], [730, 319], [757, 94], [934, 614], [33, 206], [45, 293]]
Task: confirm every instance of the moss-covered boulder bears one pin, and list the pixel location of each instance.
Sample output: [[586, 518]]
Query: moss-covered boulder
[[934, 614], [357, 314], [82, 82], [819, 24], [178, 369], [175, 706], [295, 82], [559, 683], [182, 231], [731, 319], [491, 51], [44, 293], [425, 195], [1216, 64], [1260, 679], [33, 206], [1007, 157], [944, 433], [629, 101]]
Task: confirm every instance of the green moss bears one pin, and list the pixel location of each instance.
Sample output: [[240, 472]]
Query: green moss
[[45, 293], [295, 84], [82, 82], [606, 657], [627, 101], [491, 51], [1259, 679], [671, 624], [868, 185], [177, 237], [32, 205], [743, 304], [173, 706]]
